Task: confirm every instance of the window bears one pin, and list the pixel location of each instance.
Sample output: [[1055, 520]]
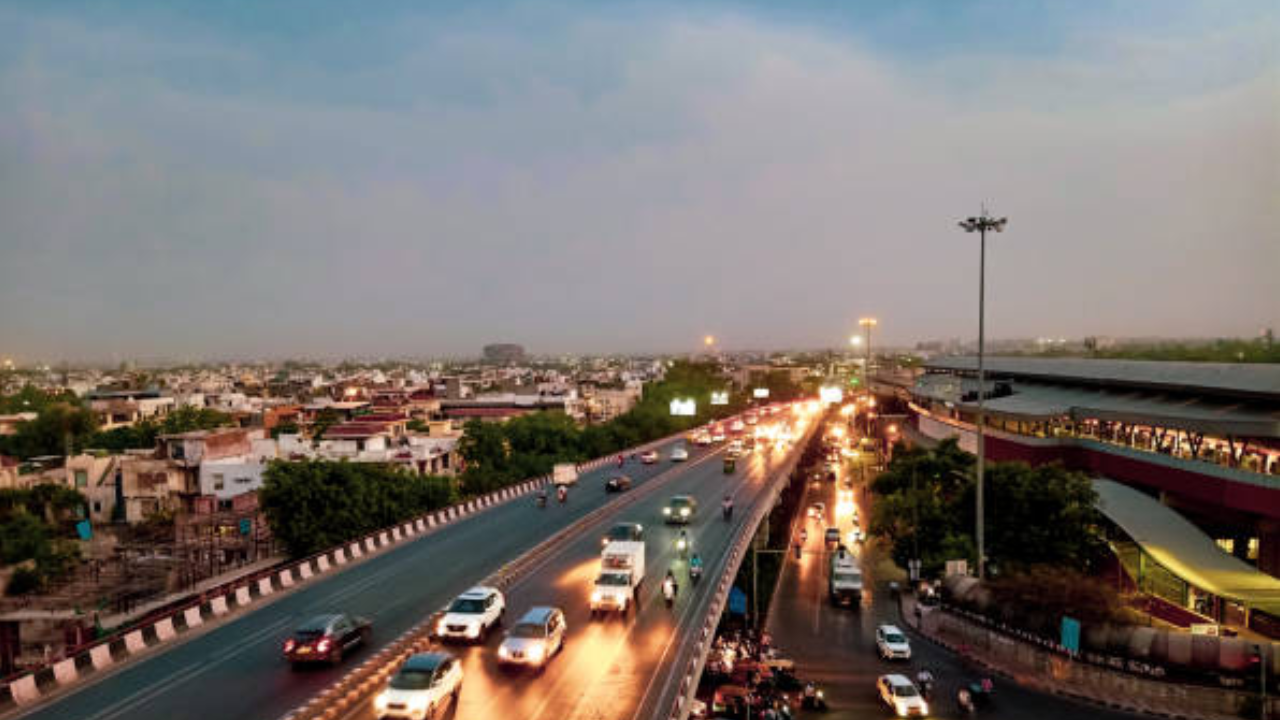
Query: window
[[218, 483], [82, 478]]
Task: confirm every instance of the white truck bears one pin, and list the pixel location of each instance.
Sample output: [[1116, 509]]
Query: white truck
[[564, 474], [845, 579], [621, 572]]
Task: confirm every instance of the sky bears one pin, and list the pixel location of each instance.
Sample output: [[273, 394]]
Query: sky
[[200, 179]]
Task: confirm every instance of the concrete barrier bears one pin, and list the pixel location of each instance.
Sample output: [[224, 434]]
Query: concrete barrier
[[370, 544], [354, 550], [164, 628], [134, 643], [193, 617], [242, 596], [286, 578], [304, 571], [219, 605], [383, 539], [24, 690], [65, 672], [264, 587], [100, 656], [420, 524]]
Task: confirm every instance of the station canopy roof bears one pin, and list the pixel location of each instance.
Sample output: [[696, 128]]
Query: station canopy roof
[[1256, 381], [1183, 549], [1041, 400]]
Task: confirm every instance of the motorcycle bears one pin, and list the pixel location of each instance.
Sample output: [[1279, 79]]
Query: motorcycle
[[817, 700], [541, 500], [727, 511], [695, 573], [682, 546], [562, 494], [669, 591], [964, 700]]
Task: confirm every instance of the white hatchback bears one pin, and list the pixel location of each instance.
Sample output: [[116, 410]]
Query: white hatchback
[[900, 694], [892, 643]]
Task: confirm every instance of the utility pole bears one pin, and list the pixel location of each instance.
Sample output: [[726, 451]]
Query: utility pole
[[981, 224]]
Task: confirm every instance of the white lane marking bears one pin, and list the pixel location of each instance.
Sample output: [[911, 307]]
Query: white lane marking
[[187, 673]]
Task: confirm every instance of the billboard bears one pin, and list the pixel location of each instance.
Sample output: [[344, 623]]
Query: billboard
[[685, 407], [720, 397], [830, 395], [760, 393]]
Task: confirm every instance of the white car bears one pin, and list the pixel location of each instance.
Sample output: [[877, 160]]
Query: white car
[[472, 615], [892, 643], [900, 694], [649, 457], [679, 454], [421, 688], [533, 640]]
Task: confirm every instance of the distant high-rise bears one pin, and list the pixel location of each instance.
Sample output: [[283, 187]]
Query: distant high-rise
[[503, 353]]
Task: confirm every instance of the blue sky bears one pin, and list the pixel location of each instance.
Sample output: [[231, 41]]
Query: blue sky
[[208, 179]]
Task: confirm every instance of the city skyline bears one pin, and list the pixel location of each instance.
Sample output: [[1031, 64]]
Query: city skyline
[[182, 181]]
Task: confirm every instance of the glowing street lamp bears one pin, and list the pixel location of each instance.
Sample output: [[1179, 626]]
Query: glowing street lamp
[[981, 224]]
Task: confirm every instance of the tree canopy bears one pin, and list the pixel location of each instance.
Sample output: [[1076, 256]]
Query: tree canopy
[[1034, 515], [314, 504]]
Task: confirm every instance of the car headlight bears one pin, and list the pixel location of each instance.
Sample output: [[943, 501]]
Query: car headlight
[[473, 630], [684, 512], [595, 596], [503, 651], [924, 706], [380, 702], [666, 511], [535, 653]]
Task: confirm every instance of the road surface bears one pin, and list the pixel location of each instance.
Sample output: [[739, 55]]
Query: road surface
[[235, 670], [835, 647]]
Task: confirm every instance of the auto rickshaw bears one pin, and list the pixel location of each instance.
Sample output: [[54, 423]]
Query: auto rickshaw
[[730, 465]]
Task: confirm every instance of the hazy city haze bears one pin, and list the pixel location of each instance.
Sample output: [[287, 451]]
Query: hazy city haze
[[191, 179]]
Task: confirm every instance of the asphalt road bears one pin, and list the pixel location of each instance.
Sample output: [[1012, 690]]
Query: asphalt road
[[835, 647], [235, 669], [613, 667]]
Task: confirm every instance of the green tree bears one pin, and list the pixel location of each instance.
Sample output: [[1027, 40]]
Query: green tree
[[925, 499], [58, 429], [315, 504]]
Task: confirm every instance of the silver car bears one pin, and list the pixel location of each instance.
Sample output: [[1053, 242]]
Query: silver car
[[534, 639]]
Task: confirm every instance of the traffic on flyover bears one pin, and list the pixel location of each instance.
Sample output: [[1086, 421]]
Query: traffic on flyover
[[607, 666]]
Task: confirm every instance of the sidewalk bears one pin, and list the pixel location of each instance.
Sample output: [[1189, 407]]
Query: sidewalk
[[1038, 669]]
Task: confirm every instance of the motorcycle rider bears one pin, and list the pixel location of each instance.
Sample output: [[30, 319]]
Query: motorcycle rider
[[695, 567], [726, 506], [924, 679], [669, 588], [682, 543], [562, 493]]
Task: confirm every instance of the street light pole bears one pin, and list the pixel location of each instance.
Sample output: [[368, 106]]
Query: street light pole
[[868, 323], [981, 224]]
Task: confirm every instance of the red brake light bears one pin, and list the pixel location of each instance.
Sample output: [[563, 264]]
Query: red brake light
[[323, 645], [289, 645]]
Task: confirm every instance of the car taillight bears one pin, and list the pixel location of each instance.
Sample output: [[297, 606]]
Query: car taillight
[[323, 645], [289, 645]]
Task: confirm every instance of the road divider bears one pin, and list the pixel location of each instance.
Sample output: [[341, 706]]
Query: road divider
[[356, 687], [31, 687]]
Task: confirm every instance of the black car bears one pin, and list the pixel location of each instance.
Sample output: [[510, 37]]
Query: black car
[[326, 638], [623, 531], [617, 483]]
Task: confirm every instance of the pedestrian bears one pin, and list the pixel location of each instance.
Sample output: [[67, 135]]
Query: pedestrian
[[919, 615]]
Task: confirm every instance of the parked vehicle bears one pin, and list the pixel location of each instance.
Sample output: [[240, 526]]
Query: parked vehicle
[[326, 638], [621, 573]]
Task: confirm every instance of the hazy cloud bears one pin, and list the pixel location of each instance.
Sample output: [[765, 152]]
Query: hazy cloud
[[619, 180]]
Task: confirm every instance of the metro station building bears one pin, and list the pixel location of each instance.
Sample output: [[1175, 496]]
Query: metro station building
[[1199, 442]]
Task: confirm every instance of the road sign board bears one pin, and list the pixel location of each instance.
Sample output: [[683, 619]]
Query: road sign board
[[1071, 634]]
